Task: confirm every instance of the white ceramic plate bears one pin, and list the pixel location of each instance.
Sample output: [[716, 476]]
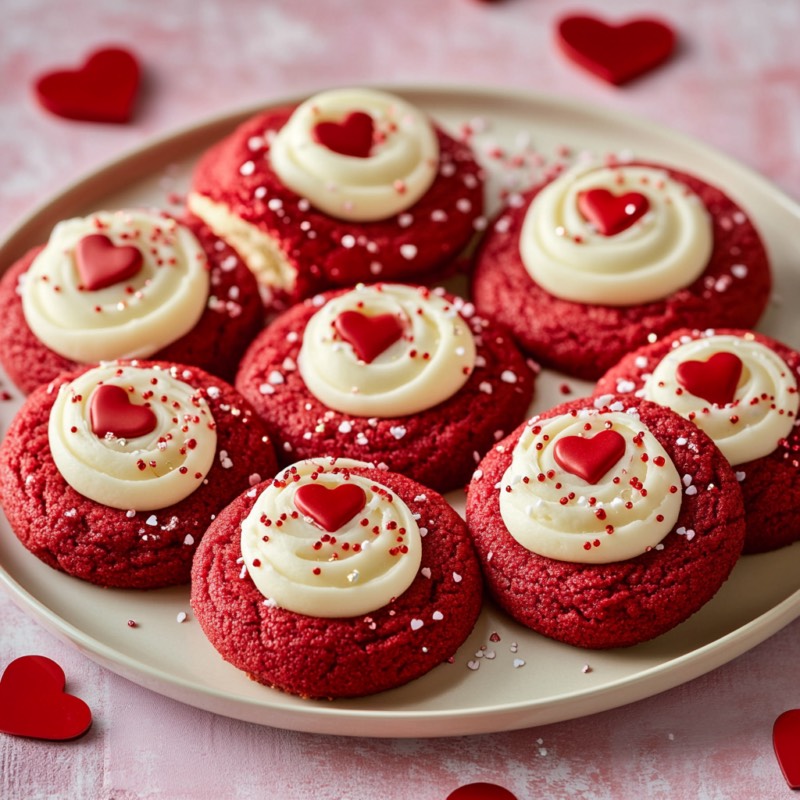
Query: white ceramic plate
[[555, 682]]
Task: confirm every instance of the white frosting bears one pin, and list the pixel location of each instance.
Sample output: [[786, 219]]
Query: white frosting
[[142, 473], [765, 404], [399, 169], [427, 365], [133, 318], [593, 525], [663, 251], [355, 570]]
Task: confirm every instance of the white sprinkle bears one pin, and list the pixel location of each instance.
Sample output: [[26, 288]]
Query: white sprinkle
[[181, 616], [586, 668], [542, 750], [426, 572], [275, 377], [518, 662], [420, 498], [345, 426], [477, 475], [248, 168], [464, 205], [456, 577], [739, 271], [740, 476], [507, 376], [625, 386], [416, 624], [473, 665], [265, 388], [490, 655], [691, 490], [130, 513], [72, 512], [687, 480], [437, 615], [438, 215], [348, 241], [260, 192], [274, 204], [681, 441], [423, 532], [398, 431], [188, 539], [254, 479], [404, 220], [361, 439], [485, 387], [408, 251], [151, 520]]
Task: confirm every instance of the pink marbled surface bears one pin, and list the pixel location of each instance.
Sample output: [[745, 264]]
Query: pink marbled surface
[[735, 84]]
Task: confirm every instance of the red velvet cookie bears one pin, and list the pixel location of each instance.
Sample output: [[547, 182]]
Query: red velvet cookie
[[741, 388], [352, 203], [145, 442], [635, 517], [621, 254], [392, 374], [227, 320], [372, 639]]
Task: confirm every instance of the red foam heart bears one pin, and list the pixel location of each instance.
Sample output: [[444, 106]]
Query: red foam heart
[[330, 508], [352, 136], [589, 457], [369, 336], [481, 791], [102, 90], [615, 53], [111, 411], [611, 213], [101, 263], [786, 741], [714, 380], [33, 702]]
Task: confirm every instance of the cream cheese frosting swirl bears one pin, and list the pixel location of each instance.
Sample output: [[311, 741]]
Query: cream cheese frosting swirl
[[133, 317], [664, 250], [143, 471], [431, 359], [398, 169], [554, 512], [371, 558], [763, 407]]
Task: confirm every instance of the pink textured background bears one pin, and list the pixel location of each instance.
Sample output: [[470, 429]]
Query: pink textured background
[[735, 84]]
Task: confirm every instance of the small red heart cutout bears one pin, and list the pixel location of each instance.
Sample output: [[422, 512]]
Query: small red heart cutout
[[101, 263], [589, 457], [369, 336], [112, 412], [330, 508], [102, 90], [714, 380], [786, 741], [350, 137], [611, 213], [615, 53], [481, 791], [33, 702]]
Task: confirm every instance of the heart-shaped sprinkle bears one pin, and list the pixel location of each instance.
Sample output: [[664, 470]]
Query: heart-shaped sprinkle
[[102, 90], [481, 791], [615, 53], [112, 412], [33, 702], [352, 136], [368, 336], [714, 380], [416, 624], [589, 457], [610, 213], [786, 741], [101, 263], [330, 508]]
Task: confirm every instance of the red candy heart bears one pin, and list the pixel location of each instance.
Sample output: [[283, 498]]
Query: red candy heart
[[714, 380], [369, 336], [111, 411], [33, 702], [330, 508], [101, 263], [589, 457], [616, 53], [611, 213], [786, 741], [350, 137], [102, 90], [481, 791]]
